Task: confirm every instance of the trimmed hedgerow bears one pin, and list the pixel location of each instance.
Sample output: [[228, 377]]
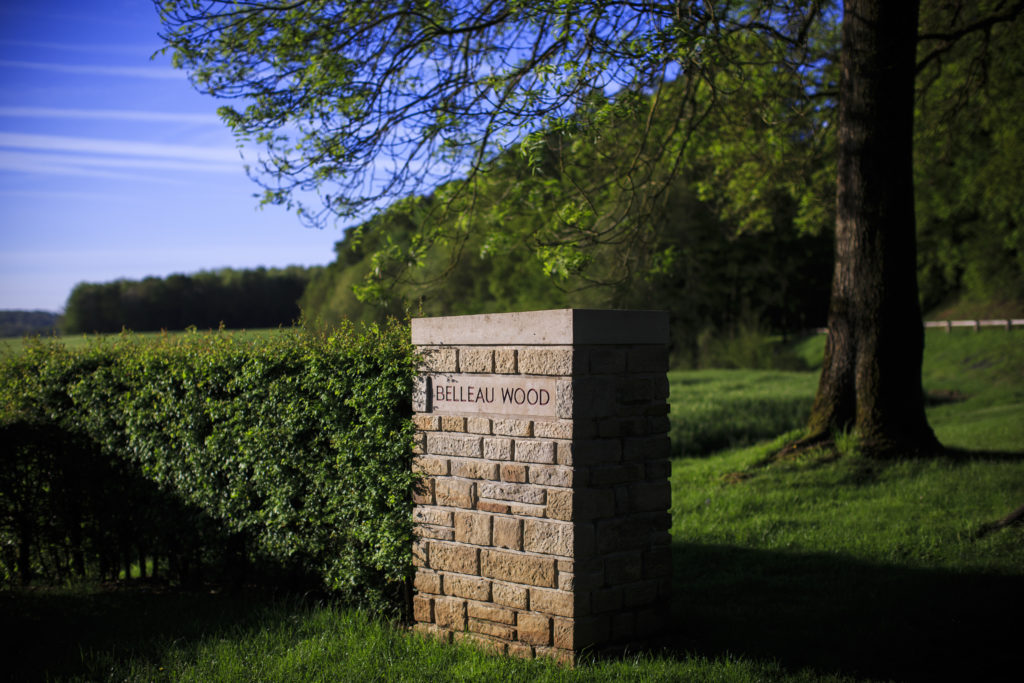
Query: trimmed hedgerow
[[299, 443]]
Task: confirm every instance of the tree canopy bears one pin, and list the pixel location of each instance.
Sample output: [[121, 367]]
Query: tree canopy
[[357, 103]]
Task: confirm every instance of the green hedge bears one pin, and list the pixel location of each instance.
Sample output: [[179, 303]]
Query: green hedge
[[299, 444]]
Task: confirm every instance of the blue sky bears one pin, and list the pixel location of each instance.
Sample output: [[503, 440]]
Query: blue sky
[[112, 166]]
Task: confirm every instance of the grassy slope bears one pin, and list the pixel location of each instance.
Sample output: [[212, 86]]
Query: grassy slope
[[806, 569]]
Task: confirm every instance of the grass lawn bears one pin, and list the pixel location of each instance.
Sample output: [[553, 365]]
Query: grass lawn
[[809, 569]]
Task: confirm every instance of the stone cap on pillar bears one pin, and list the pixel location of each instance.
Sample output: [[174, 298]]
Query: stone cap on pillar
[[560, 326]]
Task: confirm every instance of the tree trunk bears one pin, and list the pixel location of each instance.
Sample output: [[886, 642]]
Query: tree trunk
[[871, 378]]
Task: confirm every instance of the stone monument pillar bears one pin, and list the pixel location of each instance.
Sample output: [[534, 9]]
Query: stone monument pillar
[[542, 524]]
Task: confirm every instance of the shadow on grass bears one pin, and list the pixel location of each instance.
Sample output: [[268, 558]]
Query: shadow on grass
[[58, 632], [964, 456], [835, 615], [735, 423]]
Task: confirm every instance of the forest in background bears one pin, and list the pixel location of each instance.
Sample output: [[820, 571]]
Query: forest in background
[[253, 298]]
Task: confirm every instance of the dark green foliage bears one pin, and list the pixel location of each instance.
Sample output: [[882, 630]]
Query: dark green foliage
[[19, 323], [296, 448], [238, 299], [715, 284], [968, 168]]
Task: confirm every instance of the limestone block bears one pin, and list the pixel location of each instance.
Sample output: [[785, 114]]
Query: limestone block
[[535, 451], [525, 510], [450, 613], [480, 610], [430, 464], [453, 423], [548, 537], [423, 608], [562, 429], [521, 650], [549, 475], [510, 595], [534, 629], [518, 568], [473, 527], [494, 646], [423, 491], [476, 359], [466, 446], [450, 557], [427, 581], [508, 533], [560, 504], [420, 552], [492, 629], [438, 359], [459, 493], [420, 394], [427, 423], [519, 493], [468, 587], [546, 360], [513, 472], [559, 603], [498, 449], [505, 361], [510, 427], [478, 425], [474, 469], [440, 533]]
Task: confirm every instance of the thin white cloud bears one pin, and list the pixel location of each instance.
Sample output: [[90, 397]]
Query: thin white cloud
[[33, 162], [41, 166], [95, 70], [64, 194], [82, 47], [109, 115], [58, 143]]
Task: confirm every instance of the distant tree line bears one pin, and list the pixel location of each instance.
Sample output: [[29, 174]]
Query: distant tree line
[[20, 323], [257, 298]]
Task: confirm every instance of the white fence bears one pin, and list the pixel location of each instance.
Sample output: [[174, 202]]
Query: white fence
[[948, 325]]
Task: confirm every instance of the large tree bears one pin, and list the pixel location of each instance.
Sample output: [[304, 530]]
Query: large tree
[[357, 102]]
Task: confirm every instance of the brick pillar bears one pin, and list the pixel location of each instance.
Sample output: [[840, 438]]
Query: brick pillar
[[543, 524]]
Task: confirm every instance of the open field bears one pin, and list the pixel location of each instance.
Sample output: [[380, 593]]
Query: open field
[[14, 345], [809, 569]]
